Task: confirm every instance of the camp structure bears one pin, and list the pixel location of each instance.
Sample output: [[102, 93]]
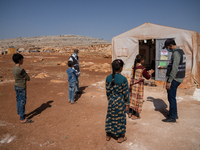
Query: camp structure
[[148, 40], [12, 50]]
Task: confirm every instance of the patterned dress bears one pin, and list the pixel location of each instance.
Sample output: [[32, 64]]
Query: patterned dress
[[118, 98], [137, 88]]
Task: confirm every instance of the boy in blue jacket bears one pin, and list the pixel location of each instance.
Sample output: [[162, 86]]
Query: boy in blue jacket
[[71, 81]]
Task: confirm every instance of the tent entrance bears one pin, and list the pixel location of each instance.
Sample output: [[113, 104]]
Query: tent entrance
[[147, 48], [162, 59]]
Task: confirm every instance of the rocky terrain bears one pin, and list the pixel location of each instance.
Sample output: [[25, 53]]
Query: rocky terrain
[[61, 44], [59, 125], [52, 41]]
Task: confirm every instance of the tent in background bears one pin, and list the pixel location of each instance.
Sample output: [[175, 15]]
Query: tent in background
[[12, 50], [148, 39]]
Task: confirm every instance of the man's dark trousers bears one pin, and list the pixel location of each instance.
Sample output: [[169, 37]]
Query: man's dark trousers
[[172, 99]]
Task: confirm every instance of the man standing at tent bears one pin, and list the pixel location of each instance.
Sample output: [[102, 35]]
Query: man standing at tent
[[175, 75], [74, 58]]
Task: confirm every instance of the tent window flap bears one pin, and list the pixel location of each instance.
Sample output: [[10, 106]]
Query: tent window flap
[[122, 52]]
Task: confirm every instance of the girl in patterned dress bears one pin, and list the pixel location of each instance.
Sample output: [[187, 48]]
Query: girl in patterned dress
[[117, 91], [137, 87]]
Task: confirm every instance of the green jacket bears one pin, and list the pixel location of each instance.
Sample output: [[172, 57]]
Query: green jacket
[[20, 76]]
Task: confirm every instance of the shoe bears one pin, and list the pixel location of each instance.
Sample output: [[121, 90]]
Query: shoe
[[135, 117], [130, 115], [122, 139], [169, 120], [108, 138], [28, 121], [169, 116], [73, 102]]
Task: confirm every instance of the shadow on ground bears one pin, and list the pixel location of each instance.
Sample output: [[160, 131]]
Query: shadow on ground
[[39, 110], [159, 105], [81, 89]]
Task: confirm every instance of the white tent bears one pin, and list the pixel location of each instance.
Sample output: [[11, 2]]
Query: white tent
[[127, 45]]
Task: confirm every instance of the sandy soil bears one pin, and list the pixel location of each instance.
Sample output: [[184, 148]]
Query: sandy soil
[[60, 125]]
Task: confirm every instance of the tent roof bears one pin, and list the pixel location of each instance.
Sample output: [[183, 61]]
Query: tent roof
[[154, 30]]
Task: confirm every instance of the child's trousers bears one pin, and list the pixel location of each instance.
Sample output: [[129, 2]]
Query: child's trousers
[[21, 101], [72, 86]]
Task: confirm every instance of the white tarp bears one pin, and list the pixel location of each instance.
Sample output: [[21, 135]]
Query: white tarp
[[196, 94]]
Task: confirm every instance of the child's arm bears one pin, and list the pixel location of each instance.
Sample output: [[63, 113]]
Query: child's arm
[[108, 92], [146, 74], [75, 73], [25, 75], [126, 92]]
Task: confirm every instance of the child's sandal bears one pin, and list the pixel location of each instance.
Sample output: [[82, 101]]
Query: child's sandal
[[130, 115], [28, 121], [73, 102], [108, 138], [120, 140], [134, 117]]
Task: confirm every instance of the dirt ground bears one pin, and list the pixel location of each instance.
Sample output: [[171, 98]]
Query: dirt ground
[[61, 126]]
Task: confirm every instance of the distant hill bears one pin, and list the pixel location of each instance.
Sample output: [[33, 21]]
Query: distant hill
[[51, 41]]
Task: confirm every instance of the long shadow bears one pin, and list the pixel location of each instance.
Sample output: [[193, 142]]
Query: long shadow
[[159, 105], [39, 109], [81, 89]]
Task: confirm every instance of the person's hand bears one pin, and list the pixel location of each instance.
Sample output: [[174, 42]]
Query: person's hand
[[151, 71], [127, 107], [78, 74], [160, 67], [140, 80], [131, 82], [168, 85]]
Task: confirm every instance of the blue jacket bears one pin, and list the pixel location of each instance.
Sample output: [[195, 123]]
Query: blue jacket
[[71, 75]]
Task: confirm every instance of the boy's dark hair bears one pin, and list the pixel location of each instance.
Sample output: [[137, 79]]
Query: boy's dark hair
[[70, 63], [117, 64], [16, 57], [138, 59]]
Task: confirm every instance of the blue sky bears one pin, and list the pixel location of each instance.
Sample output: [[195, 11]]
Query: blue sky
[[99, 19]]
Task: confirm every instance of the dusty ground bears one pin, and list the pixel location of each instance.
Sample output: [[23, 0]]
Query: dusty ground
[[60, 125]]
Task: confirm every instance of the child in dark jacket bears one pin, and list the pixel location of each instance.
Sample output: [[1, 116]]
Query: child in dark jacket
[[21, 77]]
